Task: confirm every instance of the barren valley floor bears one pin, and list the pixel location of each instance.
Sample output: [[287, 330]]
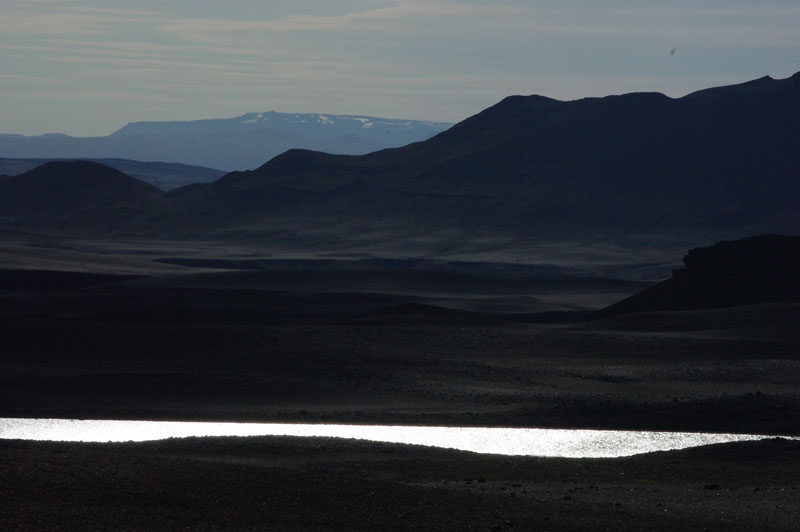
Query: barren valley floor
[[383, 348]]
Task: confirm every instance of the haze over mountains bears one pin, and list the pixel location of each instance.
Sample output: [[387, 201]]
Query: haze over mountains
[[634, 171], [239, 143]]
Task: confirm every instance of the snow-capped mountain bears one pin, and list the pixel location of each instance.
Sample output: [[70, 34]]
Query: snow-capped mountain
[[313, 125], [239, 143]]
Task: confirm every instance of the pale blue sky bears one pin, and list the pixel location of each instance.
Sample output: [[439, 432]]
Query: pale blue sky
[[87, 67]]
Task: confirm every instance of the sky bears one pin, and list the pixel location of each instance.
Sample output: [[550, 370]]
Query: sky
[[88, 67]]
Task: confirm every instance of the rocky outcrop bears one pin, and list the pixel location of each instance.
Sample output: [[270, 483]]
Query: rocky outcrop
[[761, 269]]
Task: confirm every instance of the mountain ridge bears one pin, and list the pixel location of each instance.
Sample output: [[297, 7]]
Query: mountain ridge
[[627, 172], [237, 143], [597, 148], [257, 120]]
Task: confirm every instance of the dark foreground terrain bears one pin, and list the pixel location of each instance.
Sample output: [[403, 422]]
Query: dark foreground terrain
[[384, 347], [153, 340], [321, 484]]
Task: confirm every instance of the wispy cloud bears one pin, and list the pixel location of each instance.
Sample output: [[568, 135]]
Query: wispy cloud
[[438, 59], [65, 23], [116, 12], [21, 78]]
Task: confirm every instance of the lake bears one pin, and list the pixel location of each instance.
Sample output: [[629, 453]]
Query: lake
[[563, 443]]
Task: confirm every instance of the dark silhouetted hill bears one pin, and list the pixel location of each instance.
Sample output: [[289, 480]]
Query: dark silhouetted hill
[[762, 269], [619, 175], [79, 196], [752, 271], [632, 170], [166, 176]]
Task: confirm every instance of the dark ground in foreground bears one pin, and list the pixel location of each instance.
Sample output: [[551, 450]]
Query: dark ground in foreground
[[322, 484], [387, 348], [233, 346]]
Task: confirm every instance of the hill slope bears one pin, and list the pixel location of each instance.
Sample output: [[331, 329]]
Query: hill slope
[[78, 196], [166, 176], [632, 170], [529, 179], [762, 269]]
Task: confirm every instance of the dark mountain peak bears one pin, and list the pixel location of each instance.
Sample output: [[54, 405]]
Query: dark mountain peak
[[82, 174], [639, 97], [511, 107], [300, 156], [521, 104], [74, 195], [763, 81], [531, 99], [299, 169], [510, 114], [72, 168], [758, 83], [765, 85], [519, 115], [637, 104], [535, 101], [301, 161], [165, 176]]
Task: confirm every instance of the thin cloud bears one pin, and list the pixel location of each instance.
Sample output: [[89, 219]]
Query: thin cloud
[[126, 13], [22, 78], [410, 55], [769, 26], [53, 24]]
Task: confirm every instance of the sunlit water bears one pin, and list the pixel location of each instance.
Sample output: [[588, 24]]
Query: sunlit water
[[564, 443]]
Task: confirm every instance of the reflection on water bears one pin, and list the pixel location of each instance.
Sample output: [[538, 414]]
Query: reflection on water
[[563, 443]]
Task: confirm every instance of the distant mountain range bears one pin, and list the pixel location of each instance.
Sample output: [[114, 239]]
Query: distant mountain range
[[623, 172], [166, 176], [240, 143]]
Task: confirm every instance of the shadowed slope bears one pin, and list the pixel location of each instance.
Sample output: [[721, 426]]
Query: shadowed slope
[[74, 196], [752, 271], [720, 163], [762, 269], [166, 176]]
